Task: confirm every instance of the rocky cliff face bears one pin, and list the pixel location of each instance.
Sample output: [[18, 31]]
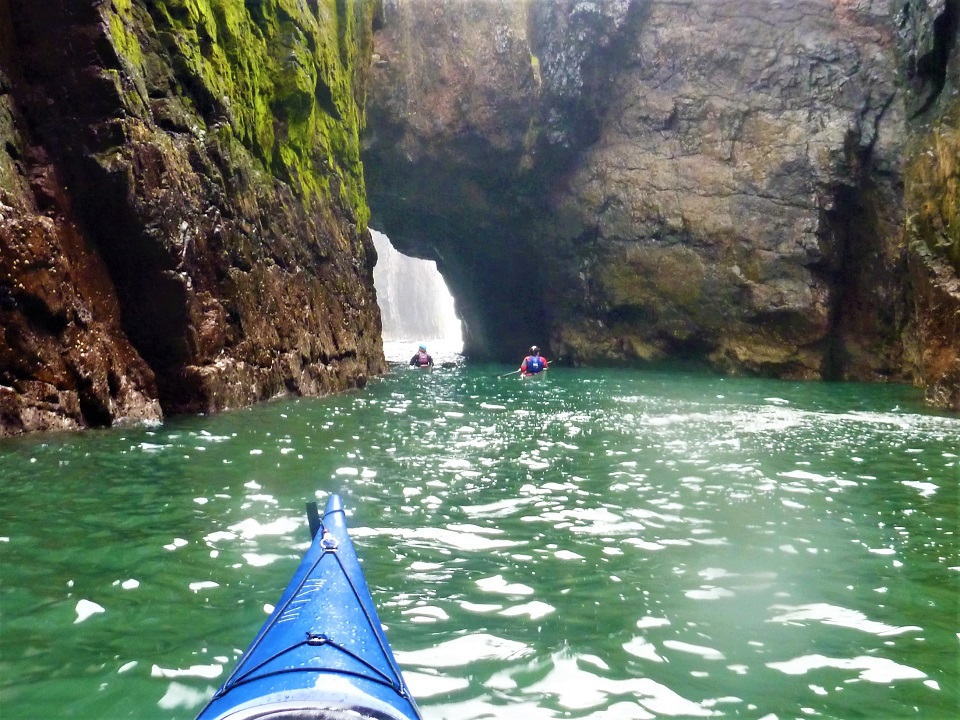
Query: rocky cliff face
[[183, 223], [927, 41], [631, 180]]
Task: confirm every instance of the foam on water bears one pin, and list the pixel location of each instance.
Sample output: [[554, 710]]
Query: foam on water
[[607, 545]]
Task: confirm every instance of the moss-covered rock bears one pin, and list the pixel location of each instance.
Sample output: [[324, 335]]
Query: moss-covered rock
[[932, 184], [280, 73], [933, 232], [928, 34], [207, 152]]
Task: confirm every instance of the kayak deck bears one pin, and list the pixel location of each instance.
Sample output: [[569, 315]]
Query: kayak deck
[[322, 654]]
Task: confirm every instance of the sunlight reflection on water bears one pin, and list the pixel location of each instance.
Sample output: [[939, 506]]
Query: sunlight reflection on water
[[604, 545]]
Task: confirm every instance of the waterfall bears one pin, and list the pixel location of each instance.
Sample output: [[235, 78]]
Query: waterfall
[[415, 305]]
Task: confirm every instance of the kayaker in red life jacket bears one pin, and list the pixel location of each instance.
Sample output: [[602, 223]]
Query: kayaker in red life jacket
[[422, 359], [533, 364]]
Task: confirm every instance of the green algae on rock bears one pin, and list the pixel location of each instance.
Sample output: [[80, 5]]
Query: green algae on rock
[[207, 154]]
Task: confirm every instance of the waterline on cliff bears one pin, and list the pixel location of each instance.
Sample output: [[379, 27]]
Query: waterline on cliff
[[415, 305]]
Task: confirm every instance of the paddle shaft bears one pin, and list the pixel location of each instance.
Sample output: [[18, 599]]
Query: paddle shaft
[[514, 372]]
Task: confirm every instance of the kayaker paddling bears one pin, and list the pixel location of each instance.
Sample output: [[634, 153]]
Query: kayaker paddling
[[422, 358], [533, 364]]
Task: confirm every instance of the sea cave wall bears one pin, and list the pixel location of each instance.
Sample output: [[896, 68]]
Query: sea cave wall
[[183, 221], [928, 34], [626, 181]]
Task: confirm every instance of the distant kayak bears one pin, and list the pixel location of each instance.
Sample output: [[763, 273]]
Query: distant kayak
[[322, 654]]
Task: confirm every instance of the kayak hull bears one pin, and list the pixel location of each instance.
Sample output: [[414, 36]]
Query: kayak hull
[[322, 654]]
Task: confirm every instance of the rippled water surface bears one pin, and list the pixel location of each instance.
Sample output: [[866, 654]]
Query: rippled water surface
[[609, 545]]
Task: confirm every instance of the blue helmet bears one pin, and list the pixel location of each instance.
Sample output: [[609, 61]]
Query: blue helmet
[[422, 346]]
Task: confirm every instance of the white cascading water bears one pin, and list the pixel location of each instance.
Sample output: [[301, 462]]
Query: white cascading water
[[415, 305]]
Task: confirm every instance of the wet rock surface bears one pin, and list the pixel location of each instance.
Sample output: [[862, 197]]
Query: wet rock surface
[[633, 181], [182, 215], [927, 35]]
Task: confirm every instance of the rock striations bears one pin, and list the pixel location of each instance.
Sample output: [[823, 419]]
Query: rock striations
[[724, 181], [183, 222], [766, 186]]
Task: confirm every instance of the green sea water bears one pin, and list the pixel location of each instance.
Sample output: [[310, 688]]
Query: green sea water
[[605, 544]]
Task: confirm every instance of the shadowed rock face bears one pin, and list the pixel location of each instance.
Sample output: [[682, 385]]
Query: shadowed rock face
[[630, 181], [927, 40], [182, 212], [452, 103]]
